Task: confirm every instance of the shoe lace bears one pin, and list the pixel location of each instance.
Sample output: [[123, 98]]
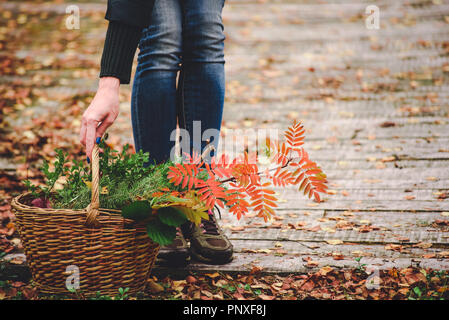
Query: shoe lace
[[210, 226]]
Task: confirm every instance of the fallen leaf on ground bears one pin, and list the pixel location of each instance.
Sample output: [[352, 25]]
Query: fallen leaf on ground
[[423, 245], [334, 241], [154, 287]]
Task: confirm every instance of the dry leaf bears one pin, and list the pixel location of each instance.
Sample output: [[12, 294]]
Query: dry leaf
[[325, 270], [334, 241], [154, 287], [212, 275], [423, 245]]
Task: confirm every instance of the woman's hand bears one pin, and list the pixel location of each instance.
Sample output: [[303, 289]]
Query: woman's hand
[[101, 113]]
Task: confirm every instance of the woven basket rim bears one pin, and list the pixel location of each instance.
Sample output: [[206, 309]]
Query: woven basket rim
[[17, 204], [17, 201]]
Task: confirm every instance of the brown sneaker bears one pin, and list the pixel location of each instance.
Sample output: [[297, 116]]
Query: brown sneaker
[[208, 243], [176, 253]]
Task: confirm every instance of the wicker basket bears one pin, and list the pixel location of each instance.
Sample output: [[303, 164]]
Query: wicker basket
[[110, 252]]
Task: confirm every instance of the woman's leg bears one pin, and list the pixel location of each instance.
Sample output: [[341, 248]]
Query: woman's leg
[[153, 104], [201, 90], [201, 86]]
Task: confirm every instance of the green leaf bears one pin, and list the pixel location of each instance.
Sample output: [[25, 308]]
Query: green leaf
[[417, 291], [160, 232], [171, 216], [137, 210]]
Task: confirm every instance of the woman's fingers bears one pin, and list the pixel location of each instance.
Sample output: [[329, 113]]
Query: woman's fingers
[[83, 132], [91, 136], [101, 129]]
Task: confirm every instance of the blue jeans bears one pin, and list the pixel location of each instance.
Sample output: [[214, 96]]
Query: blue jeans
[[185, 36]]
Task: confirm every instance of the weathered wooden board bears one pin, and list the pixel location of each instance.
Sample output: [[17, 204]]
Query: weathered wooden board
[[345, 129], [298, 202], [389, 220], [317, 249], [244, 262], [399, 185], [396, 236], [367, 194], [419, 174], [362, 166]]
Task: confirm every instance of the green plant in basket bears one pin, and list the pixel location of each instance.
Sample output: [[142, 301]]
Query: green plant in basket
[[165, 196]]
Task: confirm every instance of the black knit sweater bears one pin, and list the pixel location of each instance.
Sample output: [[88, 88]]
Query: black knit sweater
[[127, 19], [119, 49]]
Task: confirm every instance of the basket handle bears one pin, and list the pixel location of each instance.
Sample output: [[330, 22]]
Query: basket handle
[[92, 209]]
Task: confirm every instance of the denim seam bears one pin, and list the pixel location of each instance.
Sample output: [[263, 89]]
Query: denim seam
[[183, 109], [137, 116]]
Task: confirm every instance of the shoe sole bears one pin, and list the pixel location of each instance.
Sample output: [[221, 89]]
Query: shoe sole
[[180, 257]]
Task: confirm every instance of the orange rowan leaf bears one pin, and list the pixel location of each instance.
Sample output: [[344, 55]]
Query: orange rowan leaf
[[249, 189], [295, 135]]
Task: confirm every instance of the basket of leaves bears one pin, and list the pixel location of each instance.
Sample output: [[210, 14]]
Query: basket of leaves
[[109, 224], [104, 250]]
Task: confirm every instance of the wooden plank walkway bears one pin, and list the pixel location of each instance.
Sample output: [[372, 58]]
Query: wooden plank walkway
[[382, 140], [376, 107]]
